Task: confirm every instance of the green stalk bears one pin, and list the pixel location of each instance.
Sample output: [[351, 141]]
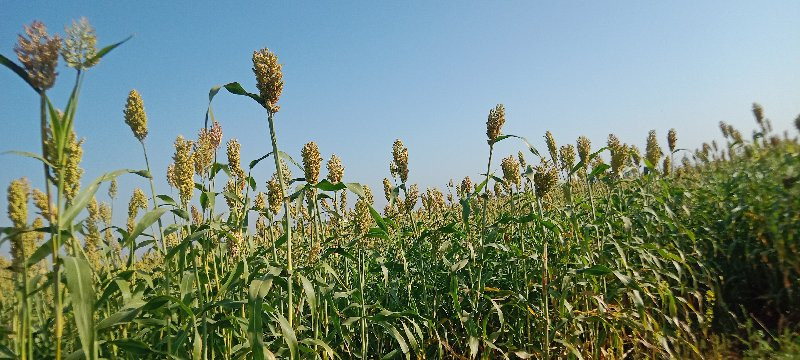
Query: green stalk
[[363, 303], [483, 228], [287, 216], [163, 245]]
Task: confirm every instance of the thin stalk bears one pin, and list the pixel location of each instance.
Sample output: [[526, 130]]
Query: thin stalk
[[163, 244], [59, 321], [483, 228], [545, 282], [287, 216]]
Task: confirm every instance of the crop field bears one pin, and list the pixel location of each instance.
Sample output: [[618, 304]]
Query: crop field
[[565, 249]]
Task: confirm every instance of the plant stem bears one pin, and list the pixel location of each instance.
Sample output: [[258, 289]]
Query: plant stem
[[287, 216]]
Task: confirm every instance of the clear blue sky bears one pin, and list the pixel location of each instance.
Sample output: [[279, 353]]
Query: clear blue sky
[[359, 75]]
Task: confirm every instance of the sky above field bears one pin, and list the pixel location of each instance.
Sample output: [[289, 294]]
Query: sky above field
[[360, 75]]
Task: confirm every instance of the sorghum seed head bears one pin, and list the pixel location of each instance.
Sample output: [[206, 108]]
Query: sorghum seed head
[[135, 116], [412, 195], [400, 160], [287, 172], [197, 216], [93, 209], [797, 122], [567, 155], [38, 54], [465, 188], [261, 201], [551, 146], [112, 188], [545, 178], [40, 201], [758, 112], [335, 169], [311, 162], [636, 155], [522, 162], [494, 124], [735, 134], [171, 176], [672, 139], [510, 168], [269, 78], [387, 189], [724, 128], [234, 158], [203, 154], [368, 195], [18, 195], [498, 189], [138, 201], [215, 135], [231, 187], [343, 202], [619, 154], [653, 151], [80, 45], [72, 171], [362, 219], [433, 200], [105, 213], [182, 170], [584, 148], [235, 244], [274, 194], [666, 167]]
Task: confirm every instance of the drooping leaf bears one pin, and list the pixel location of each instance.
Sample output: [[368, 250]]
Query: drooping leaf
[[81, 291]]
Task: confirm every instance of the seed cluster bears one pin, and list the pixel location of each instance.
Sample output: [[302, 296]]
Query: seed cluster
[[335, 169], [399, 164], [38, 54], [135, 116], [269, 78], [510, 168], [494, 124], [653, 151], [80, 45]]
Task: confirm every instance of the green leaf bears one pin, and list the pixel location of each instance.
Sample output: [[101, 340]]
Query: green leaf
[[256, 161], [17, 70], [41, 252], [311, 296], [6, 353], [378, 219], [168, 200], [356, 188], [81, 292], [525, 140], [598, 170], [132, 346], [197, 346], [288, 335], [145, 222], [107, 49], [123, 316], [237, 89], [326, 185], [30, 155], [596, 270], [83, 197]]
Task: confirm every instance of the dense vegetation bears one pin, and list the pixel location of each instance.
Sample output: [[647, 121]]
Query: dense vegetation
[[555, 254]]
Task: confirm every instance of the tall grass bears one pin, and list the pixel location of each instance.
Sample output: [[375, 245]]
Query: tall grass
[[545, 259]]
